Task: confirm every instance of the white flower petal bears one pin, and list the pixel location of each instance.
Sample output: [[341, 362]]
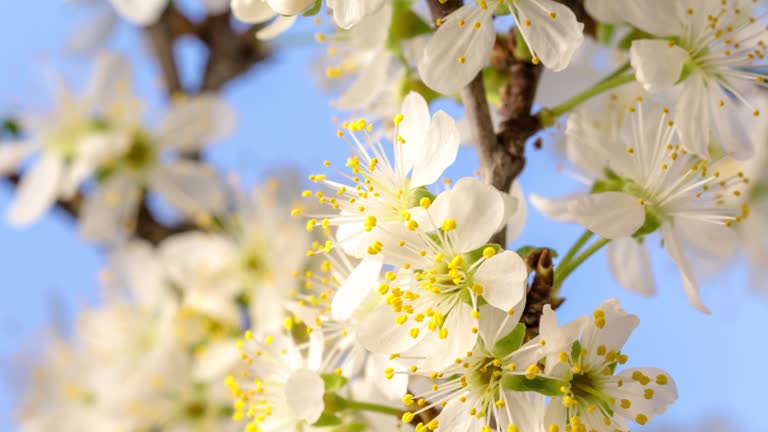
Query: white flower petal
[[657, 63], [657, 17], [693, 117], [438, 151], [461, 339], [91, 36], [367, 85], [109, 211], [135, 267], [664, 392], [504, 278], [37, 191], [630, 263], [495, 323], [457, 52], [252, 11], [611, 215], [216, 360], [347, 13], [675, 251], [191, 124], [140, 12], [278, 26], [477, 208], [355, 289], [552, 40], [607, 11], [12, 154], [729, 130], [379, 333], [216, 7], [93, 151], [714, 239], [290, 7], [191, 187], [304, 395], [517, 214], [412, 129], [557, 208]]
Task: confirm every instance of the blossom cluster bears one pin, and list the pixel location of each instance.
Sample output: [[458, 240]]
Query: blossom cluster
[[379, 294]]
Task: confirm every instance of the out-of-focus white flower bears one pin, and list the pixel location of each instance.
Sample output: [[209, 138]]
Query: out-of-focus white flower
[[712, 54], [646, 180], [142, 164], [256, 256], [348, 13], [462, 44], [146, 12], [281, 14], [72, 141], [595, 396], [287, 379]]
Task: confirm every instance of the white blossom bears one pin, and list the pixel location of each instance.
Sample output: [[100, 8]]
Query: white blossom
[[462, 44]]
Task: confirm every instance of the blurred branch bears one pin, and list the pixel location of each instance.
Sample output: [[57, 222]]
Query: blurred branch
[[231, 54]]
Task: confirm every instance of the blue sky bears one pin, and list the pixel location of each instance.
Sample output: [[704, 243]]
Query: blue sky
[[285, 121]]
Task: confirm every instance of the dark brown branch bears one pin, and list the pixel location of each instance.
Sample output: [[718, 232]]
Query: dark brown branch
[[162, 37]]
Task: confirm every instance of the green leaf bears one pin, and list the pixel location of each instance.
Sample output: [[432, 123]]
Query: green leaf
[[632, 36], [541, 385], [333, 382], [511, 342], [327, 419], [314, 9]]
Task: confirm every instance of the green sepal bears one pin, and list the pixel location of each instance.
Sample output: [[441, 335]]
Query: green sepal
[[333, 382], [416, 85], [349, 427], [474, 256], [314, 9], [327, 419], [407, 25], [541, 385], [418, 194], [575, 350], [651, 224], [11, 127], [605, 32], [626, 42], [527, 250], [511, 342]]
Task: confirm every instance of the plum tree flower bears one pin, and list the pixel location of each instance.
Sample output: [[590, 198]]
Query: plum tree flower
[[471, 389], [141, 164], [72, 141], [245, 259], [712, 53], [276, 15], [448, 268], [378, 193], [279, 387], [646, 181], [462, 44], [595, 396], [146, 12]]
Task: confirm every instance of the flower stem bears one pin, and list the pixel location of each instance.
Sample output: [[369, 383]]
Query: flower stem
[[367, 406], [548, 116], [580, 242], [562, 272]]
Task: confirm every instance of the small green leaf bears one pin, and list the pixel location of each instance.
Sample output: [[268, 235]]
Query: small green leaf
[[333, 382], [605, 32], [407, 25], [511, 342], [327, 419], [314, 9], [627, 40], [541, 385]]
